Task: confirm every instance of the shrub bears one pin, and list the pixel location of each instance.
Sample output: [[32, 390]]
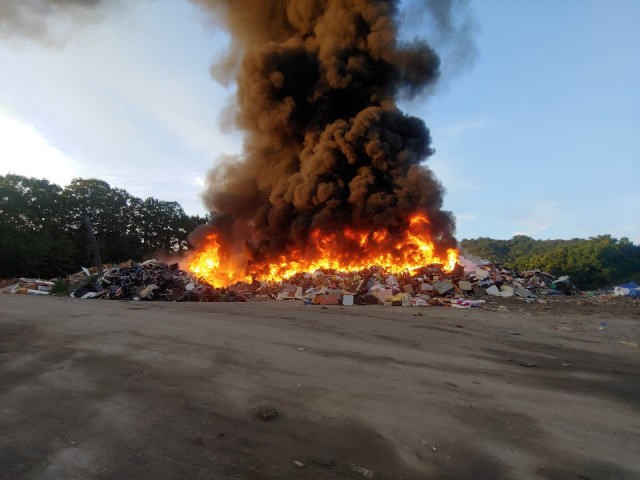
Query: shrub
[[59, 287]]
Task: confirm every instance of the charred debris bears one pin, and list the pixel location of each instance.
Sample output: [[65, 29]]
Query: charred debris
[[467, 285]]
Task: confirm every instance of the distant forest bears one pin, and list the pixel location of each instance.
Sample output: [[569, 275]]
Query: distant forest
[[42, 235], [590, 263]]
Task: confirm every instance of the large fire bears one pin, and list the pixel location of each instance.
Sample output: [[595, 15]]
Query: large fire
[[345, 251]]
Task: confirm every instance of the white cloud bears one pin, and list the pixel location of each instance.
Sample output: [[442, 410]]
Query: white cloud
[[464, 218], [538, 217], [450, 173], [24, 151], [460, 128]]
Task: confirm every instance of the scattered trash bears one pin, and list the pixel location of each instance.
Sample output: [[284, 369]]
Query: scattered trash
[[150, 280], [428, 286], [512, 332], [629, 344], [30, 286], [628, 289], [493, 290], [528, 364], [298, 464], [366, 473], [268, 414], [468, 285], [564, 329], [301, 349]]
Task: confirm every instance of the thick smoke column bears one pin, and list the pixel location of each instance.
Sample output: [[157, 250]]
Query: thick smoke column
[[326, 147]]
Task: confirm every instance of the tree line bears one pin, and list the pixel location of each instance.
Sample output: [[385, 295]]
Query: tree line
[[590, 263], [42, 233]]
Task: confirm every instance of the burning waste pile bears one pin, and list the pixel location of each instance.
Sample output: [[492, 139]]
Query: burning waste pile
[[461, 286], [332, 175], [332, 181], [150, 280]]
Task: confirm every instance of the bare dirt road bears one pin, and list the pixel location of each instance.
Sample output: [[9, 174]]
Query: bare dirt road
[[99, 389]]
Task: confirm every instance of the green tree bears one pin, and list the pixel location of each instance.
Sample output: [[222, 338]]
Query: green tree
[[590, 263]]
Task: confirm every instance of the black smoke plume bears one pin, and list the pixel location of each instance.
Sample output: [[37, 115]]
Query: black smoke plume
[[326, 147]]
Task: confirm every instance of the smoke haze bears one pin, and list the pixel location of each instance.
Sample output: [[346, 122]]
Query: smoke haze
[[450, 27]]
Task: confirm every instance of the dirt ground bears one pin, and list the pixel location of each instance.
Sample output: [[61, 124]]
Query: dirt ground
[[101, 389]]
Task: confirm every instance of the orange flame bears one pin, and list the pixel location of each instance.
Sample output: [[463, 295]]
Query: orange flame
[[345, 251]]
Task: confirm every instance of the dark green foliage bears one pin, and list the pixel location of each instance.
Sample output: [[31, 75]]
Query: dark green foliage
[[59, 287], [590, 263], [42, 234]]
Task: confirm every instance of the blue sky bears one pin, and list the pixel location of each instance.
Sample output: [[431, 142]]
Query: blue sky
[[539, 136]]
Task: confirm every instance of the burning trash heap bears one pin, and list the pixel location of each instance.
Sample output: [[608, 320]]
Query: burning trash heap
[[332, 180], [150, 280], [460, 286], [464, 285], [330, 199], [332, 173]]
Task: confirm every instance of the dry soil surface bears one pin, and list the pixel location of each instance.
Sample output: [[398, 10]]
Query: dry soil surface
[[101, 389]]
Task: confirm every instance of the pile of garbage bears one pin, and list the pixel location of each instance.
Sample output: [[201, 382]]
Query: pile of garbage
[[630, 289], [463, 287], [150, 280], [466, 286], [33, 286]]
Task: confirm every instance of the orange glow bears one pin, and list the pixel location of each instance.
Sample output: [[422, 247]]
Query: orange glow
[[213, 265], [346, 251]]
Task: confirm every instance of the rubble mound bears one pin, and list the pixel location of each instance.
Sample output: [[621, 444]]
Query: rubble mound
[[466, 285]]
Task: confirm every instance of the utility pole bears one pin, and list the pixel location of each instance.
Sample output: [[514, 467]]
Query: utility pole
[[94, 243]]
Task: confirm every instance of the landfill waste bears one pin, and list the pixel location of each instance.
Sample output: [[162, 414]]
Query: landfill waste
[[268, 413], [467, 285], [365, 472], [149, 280], [31, 286], [628, 289], [428, 286], [152, 280]]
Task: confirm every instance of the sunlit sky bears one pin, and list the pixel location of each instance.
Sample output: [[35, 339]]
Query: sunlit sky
[[540, 135]]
